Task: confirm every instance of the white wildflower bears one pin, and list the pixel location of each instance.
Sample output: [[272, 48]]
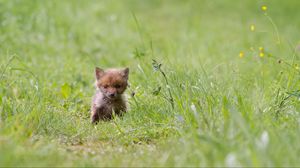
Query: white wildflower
[[193, 107], [231, 160], [263, 142]]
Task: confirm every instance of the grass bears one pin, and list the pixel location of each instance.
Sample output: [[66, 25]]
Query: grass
[[228, 111]]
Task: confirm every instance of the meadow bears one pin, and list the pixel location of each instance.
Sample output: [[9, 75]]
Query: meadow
[[212, 83]]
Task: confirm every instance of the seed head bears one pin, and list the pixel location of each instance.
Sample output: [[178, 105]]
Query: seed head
[[279, 61]]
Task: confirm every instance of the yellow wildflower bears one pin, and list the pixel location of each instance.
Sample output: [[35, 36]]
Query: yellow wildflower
[[241, 54], [261, 54], [252, 27], [261, 49], [264, 8]]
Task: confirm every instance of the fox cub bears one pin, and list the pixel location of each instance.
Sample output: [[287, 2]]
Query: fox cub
[[109, 98]]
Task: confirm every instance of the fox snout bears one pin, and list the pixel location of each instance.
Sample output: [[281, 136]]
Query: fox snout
[[111, 93]]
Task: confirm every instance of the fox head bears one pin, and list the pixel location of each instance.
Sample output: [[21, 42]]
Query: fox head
[[112, 82]]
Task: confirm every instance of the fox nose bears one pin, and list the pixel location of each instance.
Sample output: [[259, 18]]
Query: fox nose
[[112, 95]]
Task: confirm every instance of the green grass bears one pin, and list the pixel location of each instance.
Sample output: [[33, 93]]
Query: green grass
[[228, 111]]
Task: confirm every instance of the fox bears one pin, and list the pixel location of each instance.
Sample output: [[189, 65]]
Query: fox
[[109, 97]]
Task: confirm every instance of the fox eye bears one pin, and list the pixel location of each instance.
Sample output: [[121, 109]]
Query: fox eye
[[117, 86], [105, 86]]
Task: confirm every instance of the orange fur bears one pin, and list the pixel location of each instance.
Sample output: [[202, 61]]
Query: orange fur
[[109, 98]]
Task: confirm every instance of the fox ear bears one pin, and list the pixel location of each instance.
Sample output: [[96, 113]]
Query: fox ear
[[125, 73], [98, 73]]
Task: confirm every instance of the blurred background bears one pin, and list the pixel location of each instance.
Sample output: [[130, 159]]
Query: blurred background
[[232, 67]]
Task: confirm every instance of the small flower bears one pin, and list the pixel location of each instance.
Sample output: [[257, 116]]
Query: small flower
[[241, 54], [261, 54], [231, 160], [193, 107], [261, 49], [264, 8], [296, 66], [252, 27], [194, 111], [263, 141]]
